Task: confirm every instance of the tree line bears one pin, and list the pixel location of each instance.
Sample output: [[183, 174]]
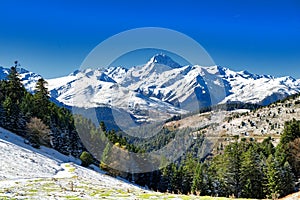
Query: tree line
[[35, 117]]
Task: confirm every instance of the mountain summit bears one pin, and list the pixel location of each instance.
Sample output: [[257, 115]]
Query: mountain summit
[[164, 60]]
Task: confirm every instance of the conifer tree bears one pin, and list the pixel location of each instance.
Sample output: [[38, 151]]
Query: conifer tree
[[27, 107], [199, 184], [288, 180], [291, 132], [274, 178], [105, 156], [232, 174], [14, 88], [175, 179], [14, 93], [41, 101], [165, 180], [251, 174]]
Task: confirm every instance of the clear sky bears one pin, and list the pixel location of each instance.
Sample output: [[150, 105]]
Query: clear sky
[[53, 37]]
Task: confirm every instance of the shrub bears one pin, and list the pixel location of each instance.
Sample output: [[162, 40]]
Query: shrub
[[86, 159], [38, 132]]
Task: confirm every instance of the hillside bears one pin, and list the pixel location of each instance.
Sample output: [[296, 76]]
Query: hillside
[[34, 173], [29, 173], [222, 126]]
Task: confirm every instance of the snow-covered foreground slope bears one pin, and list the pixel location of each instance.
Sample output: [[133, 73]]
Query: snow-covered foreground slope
[[28, 173]]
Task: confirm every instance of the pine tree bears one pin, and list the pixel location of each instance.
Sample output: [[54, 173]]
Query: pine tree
[[232, 174], [188, 170], [291, 132], [165, 180], [2, 98], [288, 179], [217, 182], [27, 106], [2, 115], [251, 175], [176, 178], [274, 178], [199, 184], [41, 101], [15, 90], [102, 127], [267, 147], [105, 156], [14, 93]]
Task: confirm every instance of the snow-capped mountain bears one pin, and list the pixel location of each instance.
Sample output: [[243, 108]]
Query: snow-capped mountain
[[162, 88], [259, 89], [28, 78]]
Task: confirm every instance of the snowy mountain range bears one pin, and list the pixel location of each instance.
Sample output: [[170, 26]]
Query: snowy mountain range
[[162, 88]]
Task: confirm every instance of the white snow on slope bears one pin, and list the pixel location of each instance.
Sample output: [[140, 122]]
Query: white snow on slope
[[19, 160], [261, 89], [22, 166], [28, 173]]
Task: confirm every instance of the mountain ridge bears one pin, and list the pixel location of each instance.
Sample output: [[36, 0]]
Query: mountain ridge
[[163, 85]]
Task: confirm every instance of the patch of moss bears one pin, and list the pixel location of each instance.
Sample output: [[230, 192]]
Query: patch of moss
[[148, 195], [71, 169], [72, 197], [106, 194], [67, 165], [7, 198]]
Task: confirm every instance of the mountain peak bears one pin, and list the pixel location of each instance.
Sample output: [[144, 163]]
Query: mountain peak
[[164, 60]]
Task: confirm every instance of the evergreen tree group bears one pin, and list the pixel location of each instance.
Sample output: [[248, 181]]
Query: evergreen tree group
[[35, 117], [246, 169]]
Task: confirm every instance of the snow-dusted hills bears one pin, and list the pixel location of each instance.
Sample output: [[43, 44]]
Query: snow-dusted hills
[[162, 88]]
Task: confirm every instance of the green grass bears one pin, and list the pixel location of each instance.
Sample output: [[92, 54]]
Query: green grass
[[72, 197], [106, 194], [148, 195], [6, 198], [49, 187]]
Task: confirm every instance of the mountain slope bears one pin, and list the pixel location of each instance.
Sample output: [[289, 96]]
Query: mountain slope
[[26, 172], [221, 127], [259, 89], [163, 87]]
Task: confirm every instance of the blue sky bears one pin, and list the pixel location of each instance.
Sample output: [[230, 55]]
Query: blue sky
[[53, 37]]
